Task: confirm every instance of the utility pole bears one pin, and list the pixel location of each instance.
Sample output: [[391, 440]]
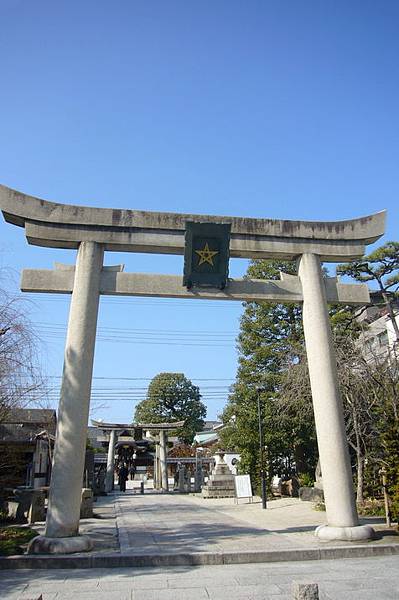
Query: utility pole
[[261, 453]]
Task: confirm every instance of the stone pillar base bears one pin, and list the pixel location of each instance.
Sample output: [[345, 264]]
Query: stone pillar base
[[63, 545], [359, 533]]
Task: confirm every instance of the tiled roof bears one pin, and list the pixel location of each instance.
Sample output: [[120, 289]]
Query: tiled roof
[[30, 415], [23, 424]]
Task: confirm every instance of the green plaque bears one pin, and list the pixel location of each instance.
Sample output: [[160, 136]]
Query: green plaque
[[206, 255]]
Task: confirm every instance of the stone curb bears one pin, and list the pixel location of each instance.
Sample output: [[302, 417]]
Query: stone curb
[[116, 560], [122, 530]]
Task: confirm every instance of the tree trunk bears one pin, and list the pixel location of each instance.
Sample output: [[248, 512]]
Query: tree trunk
[[360, 478], [359, 459]]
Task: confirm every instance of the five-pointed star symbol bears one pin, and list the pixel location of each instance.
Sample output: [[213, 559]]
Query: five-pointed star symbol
[[206, 255]]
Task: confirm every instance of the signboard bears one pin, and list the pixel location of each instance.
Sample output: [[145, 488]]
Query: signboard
[[243, 486], [206, 255]]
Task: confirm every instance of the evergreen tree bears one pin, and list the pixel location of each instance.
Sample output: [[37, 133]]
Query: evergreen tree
[[172, 397], [270, 334]]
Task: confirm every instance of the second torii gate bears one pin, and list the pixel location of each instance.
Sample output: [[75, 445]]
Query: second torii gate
[[161, 456], [92, 231]]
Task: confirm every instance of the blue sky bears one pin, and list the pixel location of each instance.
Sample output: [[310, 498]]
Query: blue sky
[[256, 108]]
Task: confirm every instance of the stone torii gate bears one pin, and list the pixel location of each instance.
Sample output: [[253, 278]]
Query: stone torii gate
[[160, 462], [92, 231]]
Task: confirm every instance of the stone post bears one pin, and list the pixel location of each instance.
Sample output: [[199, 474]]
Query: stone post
[[305, 591], [342, 520], [73, 411], [198, 477], [155, 468], [159, 476], [163, 460], [182, 479], [110, 476], [157, 484]]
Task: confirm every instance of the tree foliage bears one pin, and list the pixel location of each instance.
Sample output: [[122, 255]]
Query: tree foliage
[[172, 397], [273, 364], [381, 372], [381, 267], [385, 389], [268, 343], [356, 384]]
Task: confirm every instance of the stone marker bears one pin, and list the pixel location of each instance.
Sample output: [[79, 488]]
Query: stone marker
[[37, 511], [311, 494], [305, 591], [86, 506], [16, 511]]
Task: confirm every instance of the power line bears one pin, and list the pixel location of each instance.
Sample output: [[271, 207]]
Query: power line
[[149, 378], [62, 326], [140, 300], [107, 399]]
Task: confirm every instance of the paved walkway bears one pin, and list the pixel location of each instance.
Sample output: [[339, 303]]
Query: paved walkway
[[352, 579], [155, 523], [158, 525]]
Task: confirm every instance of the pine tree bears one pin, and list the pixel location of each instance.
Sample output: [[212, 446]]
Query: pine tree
[[382, 267]]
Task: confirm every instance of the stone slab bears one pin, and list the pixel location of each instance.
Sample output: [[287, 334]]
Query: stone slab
[[159, 242], [375, 578], [288, 289], [115, 561]]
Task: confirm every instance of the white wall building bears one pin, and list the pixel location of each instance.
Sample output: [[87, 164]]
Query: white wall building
[[378, 336]]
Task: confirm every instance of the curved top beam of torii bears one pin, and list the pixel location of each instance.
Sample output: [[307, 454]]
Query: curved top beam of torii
[[146, 426], [65, 226]]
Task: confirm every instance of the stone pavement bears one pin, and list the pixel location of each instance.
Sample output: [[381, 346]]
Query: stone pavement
[[374, 578], [167, 530], [174, 523], [163, 527]]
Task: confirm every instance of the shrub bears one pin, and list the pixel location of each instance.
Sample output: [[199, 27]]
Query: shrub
[[371, 507], [306, 480], [13, 540]]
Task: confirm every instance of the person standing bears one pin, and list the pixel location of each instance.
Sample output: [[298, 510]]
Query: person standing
[[122, 477]]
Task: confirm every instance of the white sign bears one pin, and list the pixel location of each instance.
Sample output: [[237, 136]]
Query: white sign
[[243, 486]]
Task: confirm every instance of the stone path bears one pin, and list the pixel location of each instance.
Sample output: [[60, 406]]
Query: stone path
[[135, 530], [177, 523], [352, 579], [155, 523]]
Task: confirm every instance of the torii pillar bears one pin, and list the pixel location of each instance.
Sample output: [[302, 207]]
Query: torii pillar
[[338, 490], [110, 475], [157, 478], [63, 513], [163, 460]]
